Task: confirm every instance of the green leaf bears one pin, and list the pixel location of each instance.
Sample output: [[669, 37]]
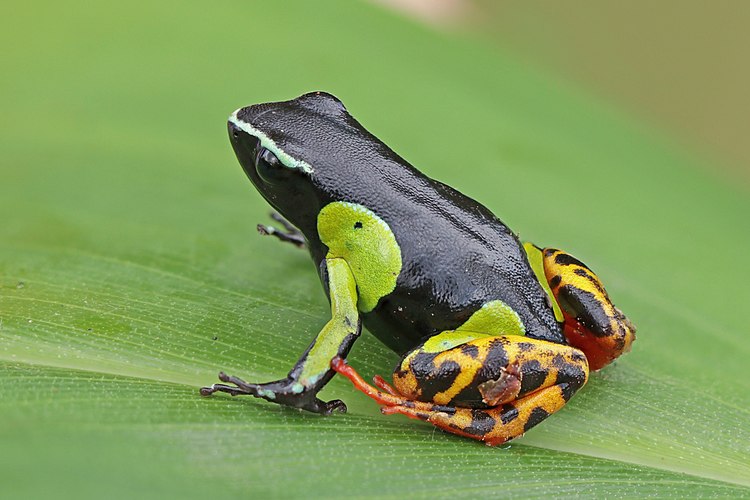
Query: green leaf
[[130, 271]]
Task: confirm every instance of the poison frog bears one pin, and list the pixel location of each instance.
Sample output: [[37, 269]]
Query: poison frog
[[494, 334]]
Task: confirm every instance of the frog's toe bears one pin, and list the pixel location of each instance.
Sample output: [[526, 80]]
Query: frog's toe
[[240, 387], [290, 234], [332, 406], [384, 386], [232, 391]]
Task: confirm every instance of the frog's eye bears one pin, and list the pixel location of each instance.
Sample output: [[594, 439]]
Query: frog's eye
[[269, 168]]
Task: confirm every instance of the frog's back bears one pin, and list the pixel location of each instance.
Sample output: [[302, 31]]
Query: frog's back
[[456, 257]]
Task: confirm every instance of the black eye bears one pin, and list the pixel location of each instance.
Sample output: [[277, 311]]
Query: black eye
[[269, 168], [270, 158]]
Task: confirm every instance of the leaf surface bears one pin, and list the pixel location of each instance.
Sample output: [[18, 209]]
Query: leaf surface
[[130, 271]]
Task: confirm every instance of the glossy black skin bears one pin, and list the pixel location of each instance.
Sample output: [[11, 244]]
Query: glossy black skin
[[456, 254]]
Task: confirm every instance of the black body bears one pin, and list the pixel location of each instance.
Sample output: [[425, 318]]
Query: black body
[[456, 254]]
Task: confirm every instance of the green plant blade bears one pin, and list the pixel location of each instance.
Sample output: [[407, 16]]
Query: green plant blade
[[130, 271]]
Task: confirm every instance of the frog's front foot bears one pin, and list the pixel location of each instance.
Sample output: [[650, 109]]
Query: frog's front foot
[[290, 234], [285, 392]]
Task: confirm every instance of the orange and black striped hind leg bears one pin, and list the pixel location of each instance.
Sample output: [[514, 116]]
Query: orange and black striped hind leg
[[492, 389]]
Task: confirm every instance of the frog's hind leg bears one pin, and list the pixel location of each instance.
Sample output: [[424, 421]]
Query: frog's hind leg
[[492, 389], [493, 426]]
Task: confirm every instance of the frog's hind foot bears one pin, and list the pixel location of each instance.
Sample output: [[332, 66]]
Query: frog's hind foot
[[290, 234], [447, 418], [388, 396]]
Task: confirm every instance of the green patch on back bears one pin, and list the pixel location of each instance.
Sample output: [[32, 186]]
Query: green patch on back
[[492, 319], [449, 339], [534, 254], [355, 234], [495, 318]]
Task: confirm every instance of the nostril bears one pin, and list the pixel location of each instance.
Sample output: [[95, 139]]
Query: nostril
[[242, 140], [235, 132]]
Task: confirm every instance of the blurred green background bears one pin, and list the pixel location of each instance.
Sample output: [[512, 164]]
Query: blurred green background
[[130, 271], [681, 67]]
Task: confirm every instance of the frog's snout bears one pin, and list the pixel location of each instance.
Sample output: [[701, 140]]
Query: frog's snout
[[245, 146], [238, 136], [234, 131]]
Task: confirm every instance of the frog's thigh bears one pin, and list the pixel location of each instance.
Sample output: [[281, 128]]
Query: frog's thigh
[[480, 371]]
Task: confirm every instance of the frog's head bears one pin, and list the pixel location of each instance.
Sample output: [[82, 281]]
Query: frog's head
[[300, 154]]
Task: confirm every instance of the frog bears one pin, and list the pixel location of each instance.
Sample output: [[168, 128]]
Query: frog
[[494, 334]]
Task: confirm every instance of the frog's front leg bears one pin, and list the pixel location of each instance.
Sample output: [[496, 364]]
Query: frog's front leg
[[290, 234], [312, 371], [489, 388]]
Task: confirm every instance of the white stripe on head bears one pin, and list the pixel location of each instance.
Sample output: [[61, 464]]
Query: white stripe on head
[[270, 145]]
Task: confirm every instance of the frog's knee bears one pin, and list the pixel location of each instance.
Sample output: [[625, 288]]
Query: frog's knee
[[592, 322]]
